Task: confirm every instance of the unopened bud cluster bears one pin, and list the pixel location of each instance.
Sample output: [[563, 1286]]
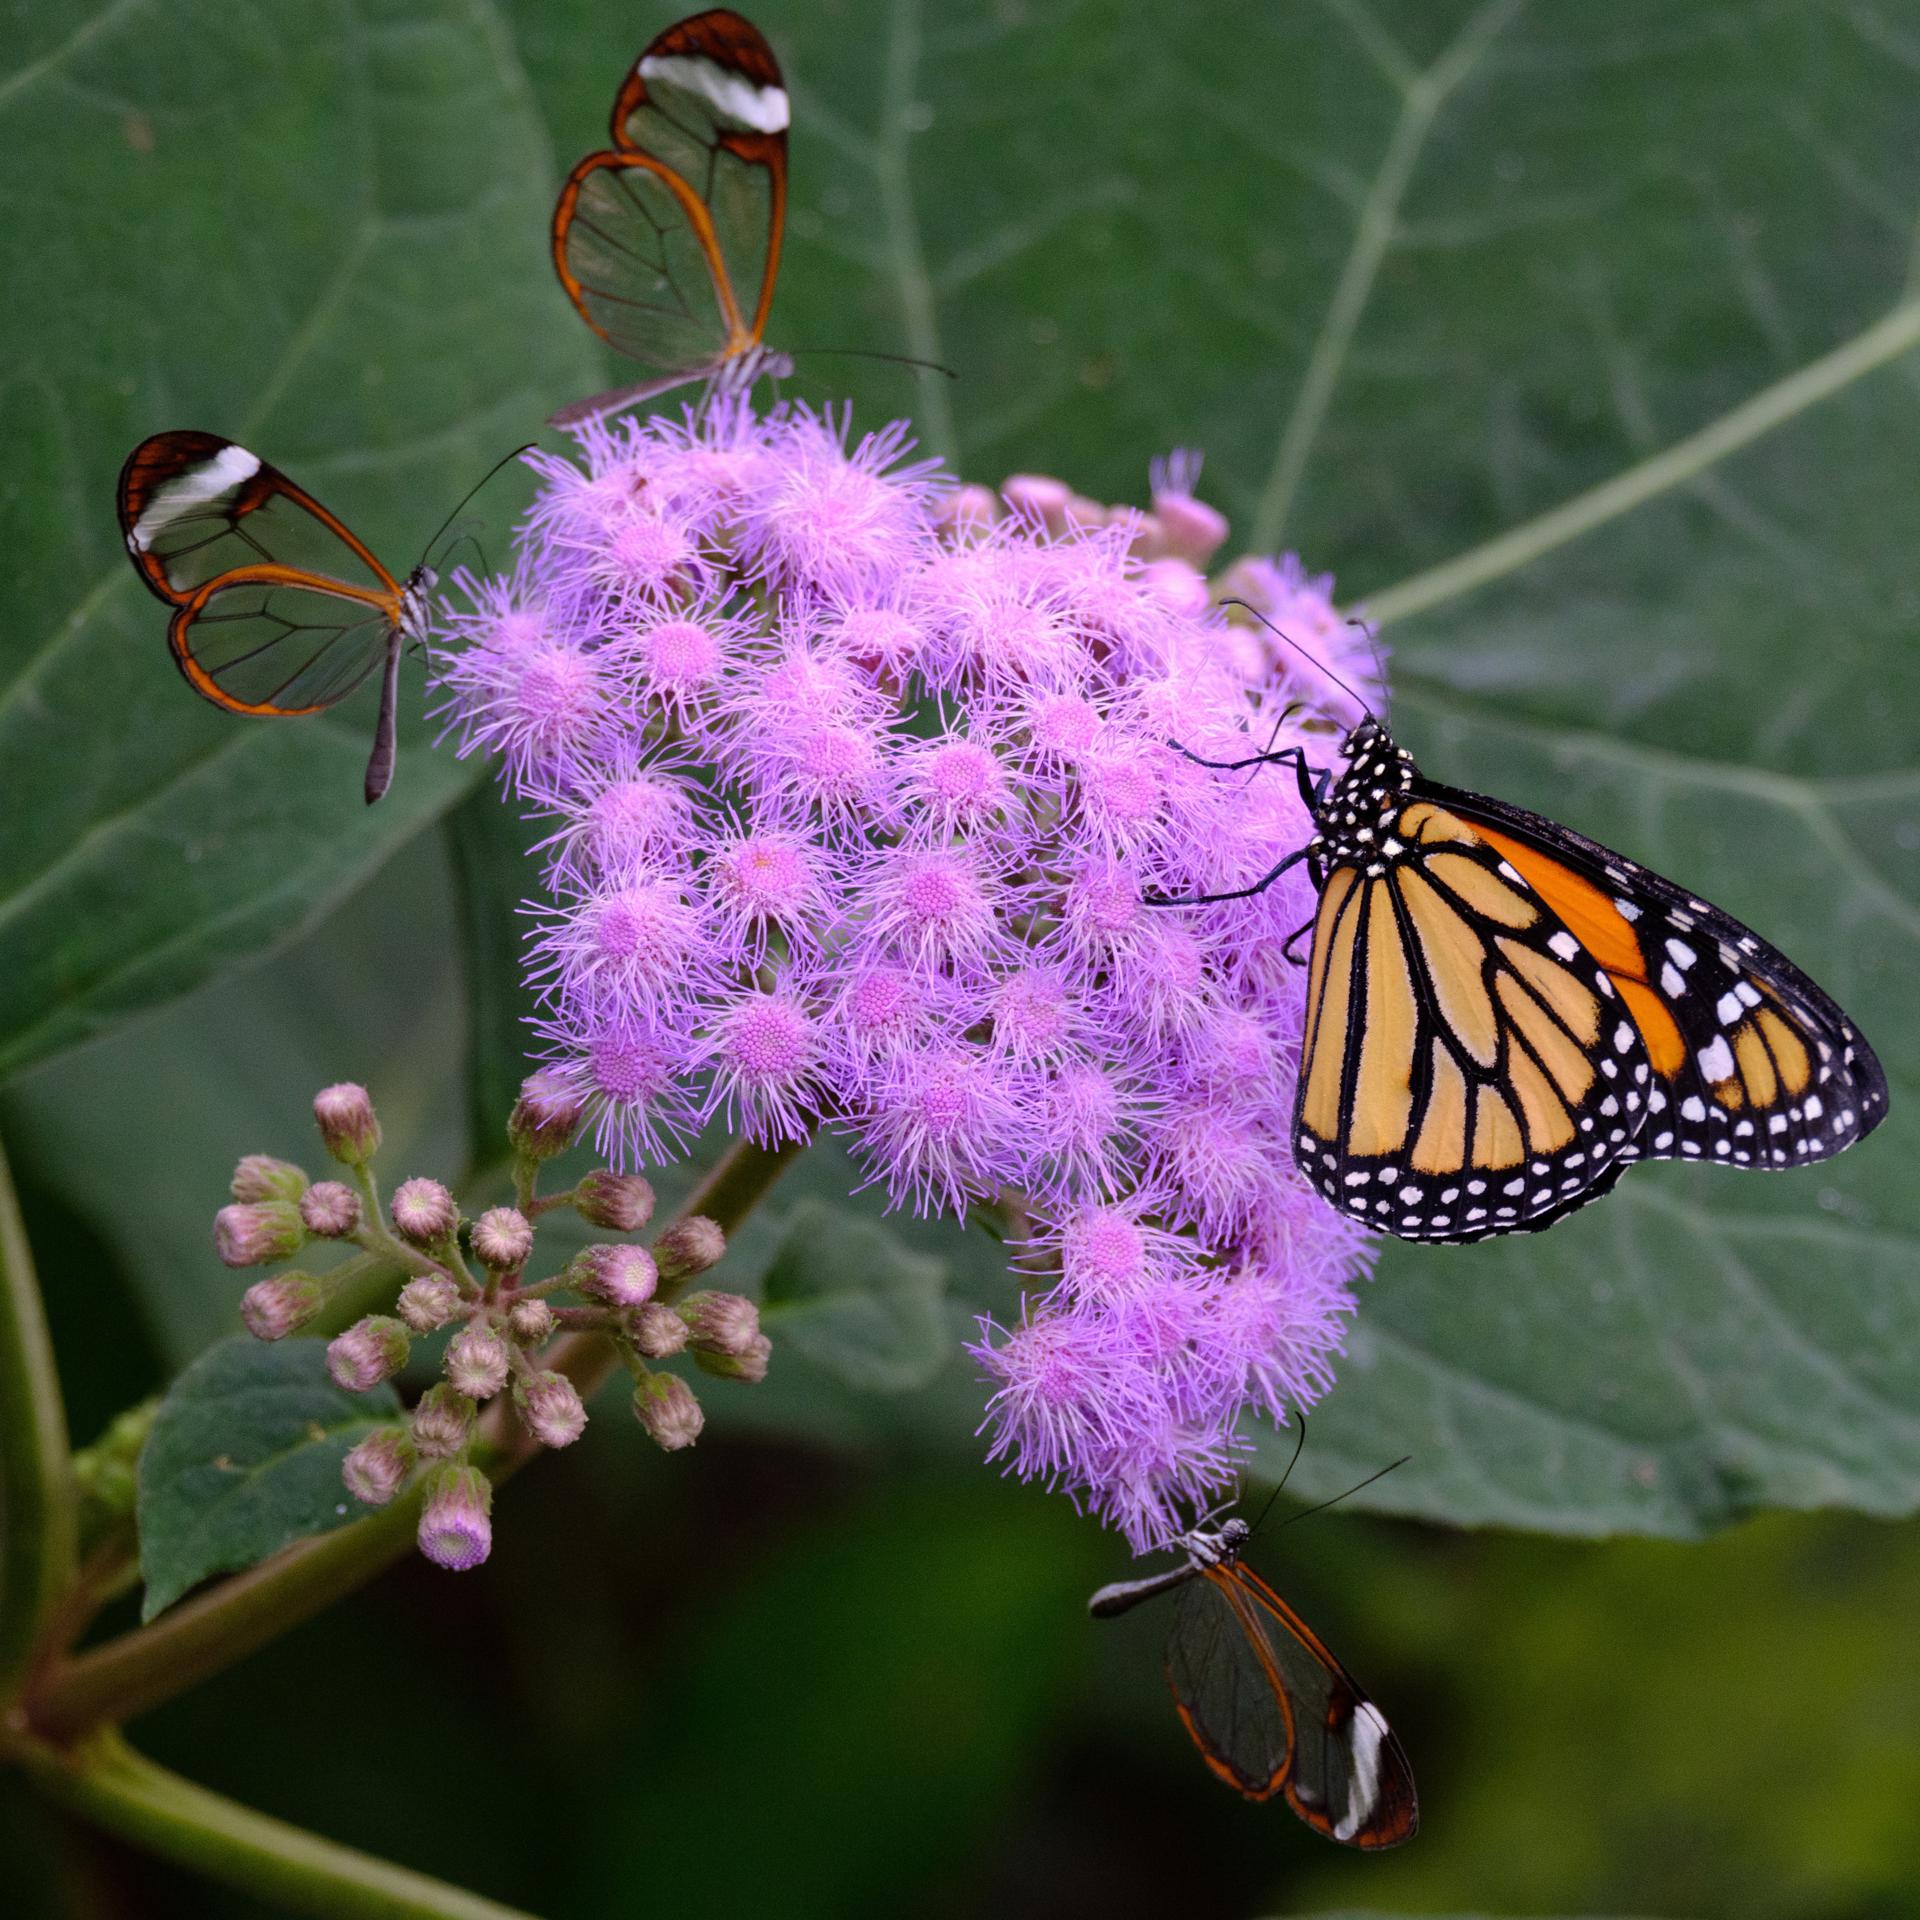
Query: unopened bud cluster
[[469, 1278]]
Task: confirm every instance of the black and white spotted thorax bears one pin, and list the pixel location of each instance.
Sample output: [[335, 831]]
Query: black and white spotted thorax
[[1207, 1546], [416, 603], [1353, 823]]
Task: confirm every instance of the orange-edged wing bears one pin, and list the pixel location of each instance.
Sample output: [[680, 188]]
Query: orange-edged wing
[[1754, 1065], [1468, 1068], [668, 242], [1273, 1712], [279, 610]]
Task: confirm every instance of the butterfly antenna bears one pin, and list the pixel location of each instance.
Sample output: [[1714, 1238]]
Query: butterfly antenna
[[1350, 1492], [1379, 664], [868, 353], [465, 536], [504, 460], [1280, 1486], [1312, 659]]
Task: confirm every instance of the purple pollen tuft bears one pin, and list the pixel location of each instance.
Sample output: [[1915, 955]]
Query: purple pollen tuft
[[855, 791]]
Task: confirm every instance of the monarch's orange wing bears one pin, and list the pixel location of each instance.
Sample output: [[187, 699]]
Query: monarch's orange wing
[[1754, 1065], [1272, 1711], [1467, 1067], [668, 242]]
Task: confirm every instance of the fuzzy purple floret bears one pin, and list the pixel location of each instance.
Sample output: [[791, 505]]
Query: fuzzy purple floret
[[856, 813]]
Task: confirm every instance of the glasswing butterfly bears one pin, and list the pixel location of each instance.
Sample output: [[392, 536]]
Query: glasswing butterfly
[[1270, 1708], [668, 240], [1503, 1015], [279, 609]]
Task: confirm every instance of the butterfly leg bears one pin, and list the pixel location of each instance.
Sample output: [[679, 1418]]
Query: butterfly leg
[[1287, 757], [1238, 893], [1286, 946]]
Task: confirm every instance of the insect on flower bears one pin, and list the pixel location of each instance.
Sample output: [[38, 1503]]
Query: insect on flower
[[1503, 1015], [279, 608], [668, 240], [1270, 1708]]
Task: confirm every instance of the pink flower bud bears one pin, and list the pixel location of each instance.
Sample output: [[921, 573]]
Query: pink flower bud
[[330, 1210], [1190, 530], [658, 1331], [1038, 497], [272, 1309], [721, 1322], [371, 1350], [261, 1177], [423, 1212], [618, 1276], [502, 1239], [614, 1202], [456, 1527], [1145, 540], [252, 1232], [376, 1469], [428, 1302], [531, 1323], [551, 1408], [748, 1364], [969, 509], [477, 1362], [545, 1117], [1179, 585], [442, 1423], [348, 1124], [663, 1403], [688, 1247]]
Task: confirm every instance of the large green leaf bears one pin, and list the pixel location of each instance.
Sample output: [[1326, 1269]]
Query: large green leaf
[[243, 1459], [1579, 340], [856, 1301], [317, 228]]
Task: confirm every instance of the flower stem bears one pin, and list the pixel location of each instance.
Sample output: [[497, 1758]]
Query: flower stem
[[209, 1633], [205, 1635], [105, 1781], [38, 1542]]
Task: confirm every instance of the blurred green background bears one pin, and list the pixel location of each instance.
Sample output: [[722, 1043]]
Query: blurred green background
[[1414, 274]]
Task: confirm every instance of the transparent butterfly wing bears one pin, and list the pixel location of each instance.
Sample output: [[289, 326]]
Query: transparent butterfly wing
[[1273, 1712], [194, 506], [668, 243]]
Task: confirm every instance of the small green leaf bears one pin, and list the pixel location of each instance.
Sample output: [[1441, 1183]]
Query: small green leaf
[[855, 1300], [244, 1459]]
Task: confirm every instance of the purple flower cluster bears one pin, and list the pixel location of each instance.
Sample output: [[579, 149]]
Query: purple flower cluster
[[861, 788]]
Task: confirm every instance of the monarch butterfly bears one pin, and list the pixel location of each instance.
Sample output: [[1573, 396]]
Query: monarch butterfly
[[668, 241], [1503, 1015], [1271, 1710]]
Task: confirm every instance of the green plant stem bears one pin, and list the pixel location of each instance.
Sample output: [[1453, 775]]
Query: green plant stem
[[40, 1535], [106, 1782], [205, 1635]]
